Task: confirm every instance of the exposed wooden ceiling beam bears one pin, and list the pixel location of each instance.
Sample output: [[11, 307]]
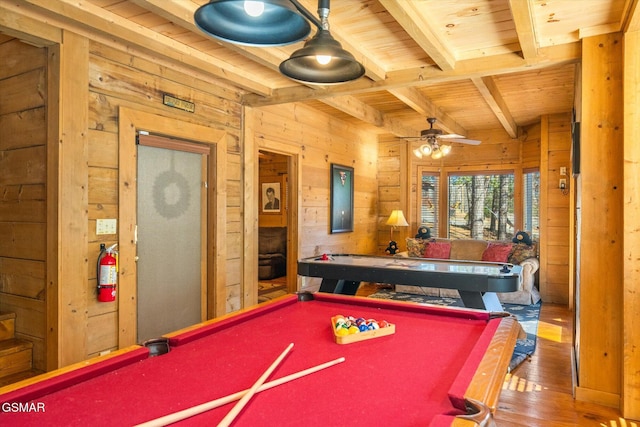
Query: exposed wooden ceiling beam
[[14, 23], [424, 106], [424, 76], [370, 115], [420, 30], [86, 18], [632, 21], [521, 10], [489, 91], [181, 13]]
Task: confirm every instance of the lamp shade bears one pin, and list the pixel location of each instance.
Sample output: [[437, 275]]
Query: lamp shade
[[322, 60], [253, 23], [397, 219]]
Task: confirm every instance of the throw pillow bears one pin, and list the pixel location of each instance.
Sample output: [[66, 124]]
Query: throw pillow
[[497, 252], [437, 250], [415, 247], [521, 252]]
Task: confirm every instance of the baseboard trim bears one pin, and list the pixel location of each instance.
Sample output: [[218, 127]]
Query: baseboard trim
[[603, 398]]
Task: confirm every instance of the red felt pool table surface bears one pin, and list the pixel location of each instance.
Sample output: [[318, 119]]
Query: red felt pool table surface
[[420, 375]]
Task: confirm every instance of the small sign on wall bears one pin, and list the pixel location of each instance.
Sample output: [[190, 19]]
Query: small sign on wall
[[180, 104]]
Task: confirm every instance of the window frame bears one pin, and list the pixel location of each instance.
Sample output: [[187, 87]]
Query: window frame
[[445, 172]]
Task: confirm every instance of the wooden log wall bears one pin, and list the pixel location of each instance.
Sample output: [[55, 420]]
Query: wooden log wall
[[320, 140], [392, 192], [113, 79], [115, 82], [23, 139], [555, 229]]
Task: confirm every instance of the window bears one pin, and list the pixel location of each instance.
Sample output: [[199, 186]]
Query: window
[[481, 206], [531, 203], [429, 207]]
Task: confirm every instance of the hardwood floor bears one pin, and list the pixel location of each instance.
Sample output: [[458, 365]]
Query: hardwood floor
[[538, 393]]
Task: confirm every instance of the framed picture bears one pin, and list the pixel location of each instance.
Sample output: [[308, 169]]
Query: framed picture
[[271, 197], [341, 199]]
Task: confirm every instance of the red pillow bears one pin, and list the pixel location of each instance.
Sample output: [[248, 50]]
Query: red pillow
[[437, 250], [497, 252]]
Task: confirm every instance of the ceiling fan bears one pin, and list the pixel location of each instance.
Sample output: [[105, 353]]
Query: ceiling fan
[[433, 145]]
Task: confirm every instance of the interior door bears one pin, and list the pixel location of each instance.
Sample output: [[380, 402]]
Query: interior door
[[171, 235]]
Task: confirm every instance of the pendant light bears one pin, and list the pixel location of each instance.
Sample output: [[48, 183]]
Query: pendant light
[[322, 60], [253, 23]]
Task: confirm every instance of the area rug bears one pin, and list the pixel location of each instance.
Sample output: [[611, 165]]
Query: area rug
[[527, 315]]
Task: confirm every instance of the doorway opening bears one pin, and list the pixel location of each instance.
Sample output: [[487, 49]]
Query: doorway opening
[[273, 225]]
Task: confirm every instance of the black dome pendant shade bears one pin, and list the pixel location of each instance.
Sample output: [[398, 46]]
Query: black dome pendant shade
[[304, 66], [321, 61], [279, 24]]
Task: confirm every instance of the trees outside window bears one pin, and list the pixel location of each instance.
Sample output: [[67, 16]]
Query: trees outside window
[[531, 203], [429, 206], [481, 206]]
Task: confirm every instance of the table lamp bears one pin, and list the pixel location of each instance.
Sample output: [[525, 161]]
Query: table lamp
[[396, 219]]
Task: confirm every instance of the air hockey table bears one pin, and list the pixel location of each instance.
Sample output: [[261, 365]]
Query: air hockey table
[[476, 282]]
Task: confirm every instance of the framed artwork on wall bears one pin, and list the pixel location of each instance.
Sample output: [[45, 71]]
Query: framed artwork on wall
[[271, 197], [341, 199]]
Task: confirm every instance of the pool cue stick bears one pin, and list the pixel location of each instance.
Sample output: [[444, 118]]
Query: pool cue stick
[[233, 413], [207, 406]]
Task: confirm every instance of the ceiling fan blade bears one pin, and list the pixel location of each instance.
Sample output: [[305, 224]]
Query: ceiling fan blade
[[451, 136], [463, 141]]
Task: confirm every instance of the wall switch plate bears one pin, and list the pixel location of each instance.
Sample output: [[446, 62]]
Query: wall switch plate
[[563, 171], [106, 226], [563, 184]]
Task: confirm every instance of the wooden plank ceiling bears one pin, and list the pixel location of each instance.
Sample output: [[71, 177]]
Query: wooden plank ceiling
[[473, 64]]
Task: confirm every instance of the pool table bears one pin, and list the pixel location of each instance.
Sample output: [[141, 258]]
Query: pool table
[[441, 367], [477, 282]]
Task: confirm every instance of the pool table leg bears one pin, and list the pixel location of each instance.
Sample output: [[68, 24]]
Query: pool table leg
[[338, 286], [488, 301]]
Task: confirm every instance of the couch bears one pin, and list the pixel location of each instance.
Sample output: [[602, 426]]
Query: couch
[[478, 250], [272, 252]]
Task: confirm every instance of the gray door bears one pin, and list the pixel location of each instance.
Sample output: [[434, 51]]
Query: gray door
[[171, 235]]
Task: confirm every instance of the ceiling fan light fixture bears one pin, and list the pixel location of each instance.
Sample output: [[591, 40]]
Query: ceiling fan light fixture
[[417, 153], [253, 23], [445, 149], [426, 149], [437, 154]]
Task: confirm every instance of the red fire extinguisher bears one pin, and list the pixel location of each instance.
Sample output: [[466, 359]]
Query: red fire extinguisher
[[107, 273]]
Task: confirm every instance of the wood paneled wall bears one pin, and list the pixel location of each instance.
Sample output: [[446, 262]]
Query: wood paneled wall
[[86, 180], [392, 192], [23, 151], [555, 230], [319, 140], [121, 79]]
